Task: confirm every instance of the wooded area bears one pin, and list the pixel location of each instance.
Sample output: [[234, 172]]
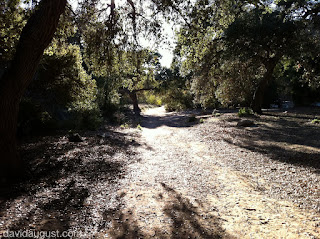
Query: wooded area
[[79, 72]]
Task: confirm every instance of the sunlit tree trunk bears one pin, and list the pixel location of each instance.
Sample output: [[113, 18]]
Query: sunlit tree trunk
[[35, 37]]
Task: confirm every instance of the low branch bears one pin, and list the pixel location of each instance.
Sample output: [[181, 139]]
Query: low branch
[[127, 91]]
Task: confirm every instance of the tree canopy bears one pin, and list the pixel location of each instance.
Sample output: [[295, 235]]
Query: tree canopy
[[235, 51]]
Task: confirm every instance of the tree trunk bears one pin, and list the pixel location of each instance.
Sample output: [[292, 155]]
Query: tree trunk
[[134, 98], [258, 96], [35, 37]]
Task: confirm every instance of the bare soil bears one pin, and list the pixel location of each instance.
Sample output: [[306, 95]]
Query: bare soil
[[174, 179]]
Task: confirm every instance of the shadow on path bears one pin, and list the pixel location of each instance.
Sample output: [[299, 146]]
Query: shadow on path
[[170, 120], [183, 220], [286, 139], [61, 176]]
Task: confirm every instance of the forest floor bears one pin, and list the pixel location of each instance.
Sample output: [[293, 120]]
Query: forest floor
[[171, 178]]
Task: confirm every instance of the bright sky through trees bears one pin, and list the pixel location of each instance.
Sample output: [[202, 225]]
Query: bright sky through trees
[[165, 49]]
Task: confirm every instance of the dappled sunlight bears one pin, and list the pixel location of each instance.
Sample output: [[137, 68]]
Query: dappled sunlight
[[162, 212], [69, 183], [88, 149], [165, 181], [157, 117]]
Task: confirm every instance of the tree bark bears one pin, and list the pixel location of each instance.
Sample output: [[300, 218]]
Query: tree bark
[[35, 37], [134, 98], [258, 96]]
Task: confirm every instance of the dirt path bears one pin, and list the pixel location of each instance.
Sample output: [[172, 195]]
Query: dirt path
[[180, 189], [173, 179]]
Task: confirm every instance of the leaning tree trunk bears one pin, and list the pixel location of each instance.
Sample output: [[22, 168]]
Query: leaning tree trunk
[[258, 96], [35, 37]]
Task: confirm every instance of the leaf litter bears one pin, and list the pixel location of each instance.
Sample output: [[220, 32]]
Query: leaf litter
[[173, 179]]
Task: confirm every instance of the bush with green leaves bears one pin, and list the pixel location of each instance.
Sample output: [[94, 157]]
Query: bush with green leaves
[[34, 118], [177, 99], [150, 97], [86, 119], [245, 112], [315, 121], [64, 90]]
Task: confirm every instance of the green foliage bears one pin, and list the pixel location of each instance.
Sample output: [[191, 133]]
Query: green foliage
[[120, 118], [262, 35], [150, 97], [228, 47], [138, 69], [64, 90], [108, 97], [85, 119], [204, 93], [66, 95], [125, 126], [223, 53], [291, 83], [34, 118], [175, 90], [315, 121], [61, 73], [128, 72], [245, 112], [177, 100], [11, 24]]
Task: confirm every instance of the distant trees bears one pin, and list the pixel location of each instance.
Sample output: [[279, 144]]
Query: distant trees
[[175, 88], [137, 74], [235, 51], [263, 38]]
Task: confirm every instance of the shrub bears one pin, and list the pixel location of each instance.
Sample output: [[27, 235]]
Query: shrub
[[90, 119], [33, 118], [108, 97], [174, 106], [315, 121], [152, 99], [243, 112], [177, 100], [65, 95], [125, 126]]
